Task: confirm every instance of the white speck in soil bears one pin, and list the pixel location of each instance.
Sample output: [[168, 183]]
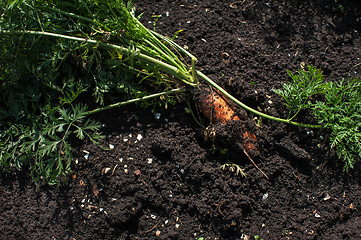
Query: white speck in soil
[[157, 116], [139, 137], [265, 196], [106, 170], [149, 160], [317, 215], [327, 197], [111, 146]]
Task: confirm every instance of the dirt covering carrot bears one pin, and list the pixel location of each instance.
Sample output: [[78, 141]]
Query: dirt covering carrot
[[214, 107]]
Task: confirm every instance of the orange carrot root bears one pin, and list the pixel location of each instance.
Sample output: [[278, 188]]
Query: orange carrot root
[[216, 109], [249, 140]]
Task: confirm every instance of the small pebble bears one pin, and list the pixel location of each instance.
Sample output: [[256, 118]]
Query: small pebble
[[317, 215], [157, 116], [177, 225], [153, 216], [265, 196], [182, 171], [106, 170], [327, 197], [139, 137], [157, 233], [166, 221], [86, 156], [149, 160], [111, 146], [125, 139]]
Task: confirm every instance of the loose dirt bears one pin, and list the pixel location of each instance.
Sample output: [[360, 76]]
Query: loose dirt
[[163, 180]]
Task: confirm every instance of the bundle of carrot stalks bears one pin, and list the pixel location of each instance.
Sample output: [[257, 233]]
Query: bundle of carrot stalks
[[110, 28]]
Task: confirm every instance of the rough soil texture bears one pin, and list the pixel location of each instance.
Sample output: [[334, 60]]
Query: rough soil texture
[[161, 181]]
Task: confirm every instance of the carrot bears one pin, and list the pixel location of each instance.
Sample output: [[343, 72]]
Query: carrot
[[216, 109]]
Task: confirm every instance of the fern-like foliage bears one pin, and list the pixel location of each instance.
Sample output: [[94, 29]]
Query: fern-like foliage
[[337, 108], [341, 113]]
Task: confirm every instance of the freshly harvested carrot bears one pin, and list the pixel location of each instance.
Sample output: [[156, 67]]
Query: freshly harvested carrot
[[216, 109]]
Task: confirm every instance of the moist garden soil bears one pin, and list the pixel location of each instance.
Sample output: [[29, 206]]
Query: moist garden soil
[[162, 179]]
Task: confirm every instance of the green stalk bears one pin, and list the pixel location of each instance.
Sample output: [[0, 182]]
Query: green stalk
[[173, 44], [167, 68], [115, 105]]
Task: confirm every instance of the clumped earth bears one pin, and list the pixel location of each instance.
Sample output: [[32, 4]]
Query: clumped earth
[[162, 180]]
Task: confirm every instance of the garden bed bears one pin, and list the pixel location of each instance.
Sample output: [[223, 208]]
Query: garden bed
[[160, 179]]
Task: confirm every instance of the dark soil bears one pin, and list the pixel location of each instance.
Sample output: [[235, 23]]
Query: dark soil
[[169, 184]]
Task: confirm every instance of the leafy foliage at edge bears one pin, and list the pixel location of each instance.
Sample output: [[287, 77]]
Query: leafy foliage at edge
[[335, 105]]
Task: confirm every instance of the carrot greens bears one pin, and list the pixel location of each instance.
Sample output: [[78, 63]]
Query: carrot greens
[[335, 105]]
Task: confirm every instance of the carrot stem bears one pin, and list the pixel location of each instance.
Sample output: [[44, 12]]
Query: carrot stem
[[177, 90]]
